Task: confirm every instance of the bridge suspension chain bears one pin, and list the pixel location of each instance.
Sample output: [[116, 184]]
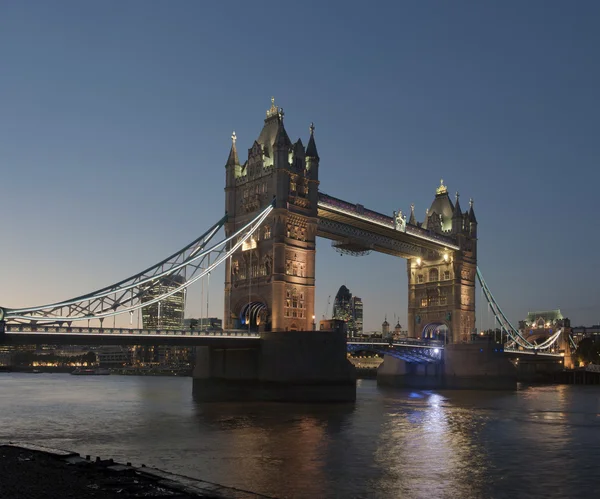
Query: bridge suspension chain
[[515, 335], [182, 269]]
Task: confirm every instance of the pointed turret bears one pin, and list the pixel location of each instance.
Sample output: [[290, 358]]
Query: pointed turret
[[439, 216], [385, 327], [282, 140], [472, 218], [233, 159], [299, 148], [311, 148], [312, 157], [457, 216], [233, 170], [412, 220], [457, 212]]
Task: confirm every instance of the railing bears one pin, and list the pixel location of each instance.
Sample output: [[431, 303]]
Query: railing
[[522, 351], [409, 342], [358, 211], [24, 329]]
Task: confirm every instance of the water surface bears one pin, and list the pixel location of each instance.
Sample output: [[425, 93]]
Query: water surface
[[535, 442]]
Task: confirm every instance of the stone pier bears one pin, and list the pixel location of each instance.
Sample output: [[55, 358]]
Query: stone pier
[[290, 366], [476, 366]]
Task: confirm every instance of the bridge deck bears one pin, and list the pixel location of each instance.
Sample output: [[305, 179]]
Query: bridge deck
[[27, 335], [368, 230]]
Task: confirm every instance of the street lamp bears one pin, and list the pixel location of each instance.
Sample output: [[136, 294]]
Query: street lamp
[[314, 324]]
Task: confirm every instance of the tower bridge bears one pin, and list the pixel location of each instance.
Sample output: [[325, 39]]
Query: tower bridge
[[275, 210], [441, 251]]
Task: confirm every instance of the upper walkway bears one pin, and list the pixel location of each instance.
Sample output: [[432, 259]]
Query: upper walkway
[[361, 229]]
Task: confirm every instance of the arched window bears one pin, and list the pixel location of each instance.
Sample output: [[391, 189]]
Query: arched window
[[433, 275]]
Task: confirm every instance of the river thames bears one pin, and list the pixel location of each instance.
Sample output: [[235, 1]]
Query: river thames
[[535, 442]]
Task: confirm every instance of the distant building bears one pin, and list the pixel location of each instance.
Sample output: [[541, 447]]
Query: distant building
[[349, 309], [581, 332], [540, 325], [113, 356], [6, 353], [167, 313], [357, 306], [385, 328], [203, 323], [399, 333]]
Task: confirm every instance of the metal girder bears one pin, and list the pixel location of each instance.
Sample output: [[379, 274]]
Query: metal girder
[[409, 354], [414, 241], [183, 268], [354, 236]]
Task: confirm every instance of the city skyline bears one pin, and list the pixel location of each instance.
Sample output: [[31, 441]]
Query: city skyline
[[113, 148]]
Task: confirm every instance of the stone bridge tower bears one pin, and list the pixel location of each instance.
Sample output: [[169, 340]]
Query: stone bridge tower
[[270, 281], [441, 294]]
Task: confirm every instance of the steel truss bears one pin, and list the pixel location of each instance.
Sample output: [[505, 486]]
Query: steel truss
[[413, 355], [180, 270], [518, 340], [366, 238]]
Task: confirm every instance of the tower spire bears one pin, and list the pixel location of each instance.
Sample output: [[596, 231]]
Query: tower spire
[[471, 212], [442, 189], [412, 220], [311, 148], [273, 110], [457, 211], [233, 155]]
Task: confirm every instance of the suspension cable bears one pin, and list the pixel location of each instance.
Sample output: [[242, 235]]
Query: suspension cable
[[93, 306]]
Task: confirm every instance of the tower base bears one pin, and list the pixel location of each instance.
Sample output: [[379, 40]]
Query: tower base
[[466, 366], [291, 366]]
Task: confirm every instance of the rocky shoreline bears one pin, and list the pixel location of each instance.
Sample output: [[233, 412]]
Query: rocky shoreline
[[31, 472]]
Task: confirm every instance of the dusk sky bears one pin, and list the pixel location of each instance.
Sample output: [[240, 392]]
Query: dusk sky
[[116, 118]]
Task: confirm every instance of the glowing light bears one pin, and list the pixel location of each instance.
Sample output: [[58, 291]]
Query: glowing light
[[442, 189], [249, 244], [418, 261], [436, 350], [446, 257]]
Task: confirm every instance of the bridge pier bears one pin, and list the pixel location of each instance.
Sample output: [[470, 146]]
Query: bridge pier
[[290, 366], [465, 366]]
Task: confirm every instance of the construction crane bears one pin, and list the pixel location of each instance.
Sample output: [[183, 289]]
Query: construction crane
[[327, 307]]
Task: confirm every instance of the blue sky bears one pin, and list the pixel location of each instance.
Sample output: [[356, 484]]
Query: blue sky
[[116, 117]]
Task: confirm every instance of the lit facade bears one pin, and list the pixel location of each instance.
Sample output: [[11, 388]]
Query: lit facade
[[165, 314], [538, 326], [441, 285], [349, 309], [270, 281], [169, 312], [357, 306], [200, 324]]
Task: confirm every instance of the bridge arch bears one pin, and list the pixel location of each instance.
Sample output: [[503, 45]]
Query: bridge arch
[[438, 330], [252, 313]]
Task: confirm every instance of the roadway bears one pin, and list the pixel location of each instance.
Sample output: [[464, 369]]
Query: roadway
[[25, 335]]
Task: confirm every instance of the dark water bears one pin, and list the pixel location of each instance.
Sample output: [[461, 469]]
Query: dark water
[[537, 442]]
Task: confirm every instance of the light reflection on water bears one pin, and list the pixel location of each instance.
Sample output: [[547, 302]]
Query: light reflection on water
[[539, 441]]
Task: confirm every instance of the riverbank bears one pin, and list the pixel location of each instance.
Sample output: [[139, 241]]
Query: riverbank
[[29, 471]]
